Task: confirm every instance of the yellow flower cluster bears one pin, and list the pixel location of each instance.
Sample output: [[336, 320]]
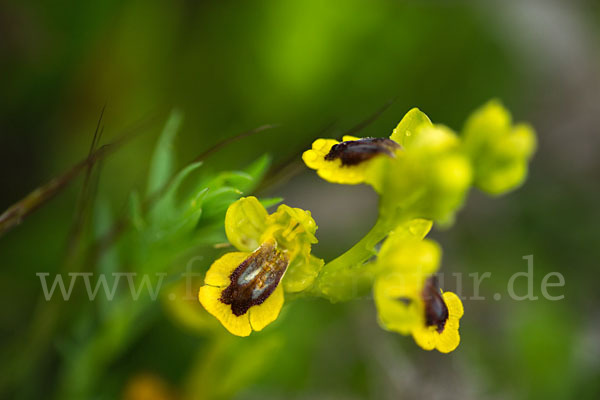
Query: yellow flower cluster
[[426, 170], [422, 173]]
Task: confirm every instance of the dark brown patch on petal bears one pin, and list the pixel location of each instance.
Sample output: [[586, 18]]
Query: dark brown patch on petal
[[254, 280], [353, 152], [436, 311]]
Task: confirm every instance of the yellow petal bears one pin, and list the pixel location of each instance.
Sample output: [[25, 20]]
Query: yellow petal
[[405, 254], [523, 140], [220, 270], [499, 151], [397, 298], [267, 312], [455, 307], [449, 339], [332, 170], [425, 337], [315, 157], [209, 297]]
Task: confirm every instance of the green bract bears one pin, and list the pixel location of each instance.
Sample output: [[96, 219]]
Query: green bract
[[499, 150]]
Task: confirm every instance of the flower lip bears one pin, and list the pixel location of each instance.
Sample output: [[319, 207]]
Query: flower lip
[[436, 311], [255, 279], [353, 152]]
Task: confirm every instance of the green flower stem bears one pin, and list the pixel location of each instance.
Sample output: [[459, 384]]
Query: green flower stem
[[364, 249], [348, 276]]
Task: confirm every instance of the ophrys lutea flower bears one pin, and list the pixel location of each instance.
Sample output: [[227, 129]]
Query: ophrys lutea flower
[[355, 160], [245, 290], [500, 150], [420, 171], [416, 306], [406, 293]]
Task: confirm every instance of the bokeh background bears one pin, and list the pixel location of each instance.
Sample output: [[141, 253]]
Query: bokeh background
[[314, 68]]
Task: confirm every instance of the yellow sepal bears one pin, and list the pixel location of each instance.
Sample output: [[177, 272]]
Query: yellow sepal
[[245, 222]]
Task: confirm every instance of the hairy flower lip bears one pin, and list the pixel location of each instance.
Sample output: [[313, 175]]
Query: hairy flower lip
[[353, 152], [255, 279], [217, 280]]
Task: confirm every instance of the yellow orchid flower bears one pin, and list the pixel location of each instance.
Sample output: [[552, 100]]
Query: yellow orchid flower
[[409, 304], [406, 294], [245, 290], [500, 150], [356, 160], [421, 168], [404, 261]]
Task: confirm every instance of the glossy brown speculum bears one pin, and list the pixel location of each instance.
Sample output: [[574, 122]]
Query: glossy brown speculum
[[353, 152], [436, 311], [255, 279]]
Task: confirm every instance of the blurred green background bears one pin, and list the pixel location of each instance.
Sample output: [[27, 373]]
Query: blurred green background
[[315, 68]]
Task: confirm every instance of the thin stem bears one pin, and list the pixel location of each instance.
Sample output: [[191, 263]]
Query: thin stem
[[364, 249], [349, 275]]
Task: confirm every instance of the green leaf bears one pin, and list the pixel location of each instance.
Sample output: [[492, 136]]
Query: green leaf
[[259, 167], [218, 200], [166, 210], [239, 180], [270, 201], [228, 186], [135, 210], [162, 164]]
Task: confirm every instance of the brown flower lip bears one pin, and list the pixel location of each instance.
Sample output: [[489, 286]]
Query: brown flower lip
[[436, 311], [255, 279], [353, 152]]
